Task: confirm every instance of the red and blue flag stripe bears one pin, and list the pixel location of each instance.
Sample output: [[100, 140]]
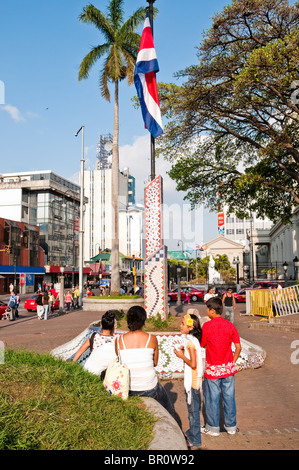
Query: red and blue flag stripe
[[145, 82]]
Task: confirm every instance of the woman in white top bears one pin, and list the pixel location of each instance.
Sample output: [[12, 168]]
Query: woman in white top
[[139, 351], [102, 347]]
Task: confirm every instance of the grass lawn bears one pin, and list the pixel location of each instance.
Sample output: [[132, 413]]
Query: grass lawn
[[49, 404]]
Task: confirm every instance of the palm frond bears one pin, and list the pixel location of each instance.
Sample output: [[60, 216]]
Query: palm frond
[[94, 16], [103, 83], [116, 13], [134, 21], [91, 58]]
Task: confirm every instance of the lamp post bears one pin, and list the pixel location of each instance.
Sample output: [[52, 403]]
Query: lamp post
[[61, 291], [81, 229], [236, 261], [178, 271], [296, 266], [151, 20], [285, 268]]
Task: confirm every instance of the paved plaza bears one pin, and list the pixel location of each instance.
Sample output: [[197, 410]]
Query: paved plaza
[[267, 398]]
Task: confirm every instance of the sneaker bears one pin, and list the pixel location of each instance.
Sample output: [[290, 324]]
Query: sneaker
[[209, 433], [232, 432]]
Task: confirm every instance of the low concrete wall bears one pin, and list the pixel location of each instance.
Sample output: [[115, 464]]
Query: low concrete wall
[[102, 305]]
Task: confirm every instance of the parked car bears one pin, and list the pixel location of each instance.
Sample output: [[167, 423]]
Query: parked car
[[266, 285], [3, 307], [31, 306], [194, 294], [240, 296]]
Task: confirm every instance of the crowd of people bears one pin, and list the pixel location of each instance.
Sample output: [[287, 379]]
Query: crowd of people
[[139, 350]]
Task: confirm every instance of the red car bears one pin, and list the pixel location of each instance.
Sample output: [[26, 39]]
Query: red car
[[31, 306], [3, 307], [194, 294], [266, 285], [240, 296]]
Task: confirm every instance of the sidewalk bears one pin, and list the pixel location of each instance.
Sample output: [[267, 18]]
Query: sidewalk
[[267, 398]]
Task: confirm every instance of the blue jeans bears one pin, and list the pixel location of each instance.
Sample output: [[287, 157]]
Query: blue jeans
[[194, 433], [158, 393], [46, 310], [211, 394]]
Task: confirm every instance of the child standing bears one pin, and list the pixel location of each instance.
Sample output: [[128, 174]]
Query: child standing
[[192, 357], [187, 299], [68, 300], [217, 337]]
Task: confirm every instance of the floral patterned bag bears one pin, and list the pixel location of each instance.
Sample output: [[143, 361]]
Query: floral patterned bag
[[117, 379]]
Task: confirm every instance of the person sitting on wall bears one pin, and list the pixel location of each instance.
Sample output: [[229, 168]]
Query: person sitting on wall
[[101, 345]]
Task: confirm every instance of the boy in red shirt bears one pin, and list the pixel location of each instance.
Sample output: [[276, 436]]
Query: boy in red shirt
[[217, 337]]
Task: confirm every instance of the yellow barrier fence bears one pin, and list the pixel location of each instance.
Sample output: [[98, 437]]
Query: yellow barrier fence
[[261, 303]]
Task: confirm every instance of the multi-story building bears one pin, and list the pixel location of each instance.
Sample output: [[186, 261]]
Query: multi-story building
[[98, 214], [51, 202], [21, 257], [233, 228]]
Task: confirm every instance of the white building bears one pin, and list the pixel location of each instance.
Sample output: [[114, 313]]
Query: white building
[[237, 229], [98, 214]]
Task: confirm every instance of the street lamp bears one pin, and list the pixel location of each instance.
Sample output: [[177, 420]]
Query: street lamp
[[61, 291], [178, 271], [236, 261], [296, 266], [81, 230]]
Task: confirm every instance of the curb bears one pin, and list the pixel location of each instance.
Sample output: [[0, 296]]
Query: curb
[[167, 433]]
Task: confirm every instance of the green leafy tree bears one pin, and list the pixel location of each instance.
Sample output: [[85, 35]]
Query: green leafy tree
[[223, 266], [119, 53], [233, 125]]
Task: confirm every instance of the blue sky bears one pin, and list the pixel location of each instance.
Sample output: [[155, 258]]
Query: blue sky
[[42, 46]]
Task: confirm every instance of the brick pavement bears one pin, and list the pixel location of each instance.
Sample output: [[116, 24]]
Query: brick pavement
[[267, 398]]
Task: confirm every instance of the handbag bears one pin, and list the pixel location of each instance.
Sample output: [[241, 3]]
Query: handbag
[[117, 378]]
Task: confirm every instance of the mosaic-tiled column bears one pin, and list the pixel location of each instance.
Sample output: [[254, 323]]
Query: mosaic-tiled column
[[155, 266]]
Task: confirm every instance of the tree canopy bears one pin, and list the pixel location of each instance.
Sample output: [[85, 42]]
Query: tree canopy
[[232, 131]]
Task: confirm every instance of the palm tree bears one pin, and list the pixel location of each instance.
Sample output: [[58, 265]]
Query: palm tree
[[120, 51]]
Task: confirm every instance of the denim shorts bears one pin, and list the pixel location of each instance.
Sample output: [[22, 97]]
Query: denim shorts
[[159, 394]]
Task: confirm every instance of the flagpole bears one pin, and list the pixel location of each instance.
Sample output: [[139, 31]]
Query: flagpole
[[153, 162]]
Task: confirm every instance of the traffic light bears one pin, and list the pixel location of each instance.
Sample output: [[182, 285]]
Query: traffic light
[[7, 249], [134, 270]]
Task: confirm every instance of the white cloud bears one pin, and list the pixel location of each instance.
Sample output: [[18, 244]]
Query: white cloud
[[180, 223], [14, 113]]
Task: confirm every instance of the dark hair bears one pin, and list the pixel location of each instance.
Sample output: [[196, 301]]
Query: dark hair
[[108, 320], [136, 317], [196, 330], [215, 303]]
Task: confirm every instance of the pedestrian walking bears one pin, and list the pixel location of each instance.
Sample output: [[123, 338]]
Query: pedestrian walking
[[46, 305], [191, 354], [68, 300], [39, 304], [51, 301], [12, 304], [218, 335], [210, 294], [187, 298], [76, 297], [229, 303], [17, 306]]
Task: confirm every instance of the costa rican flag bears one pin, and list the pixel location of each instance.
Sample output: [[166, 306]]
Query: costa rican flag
[[145, 81]]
